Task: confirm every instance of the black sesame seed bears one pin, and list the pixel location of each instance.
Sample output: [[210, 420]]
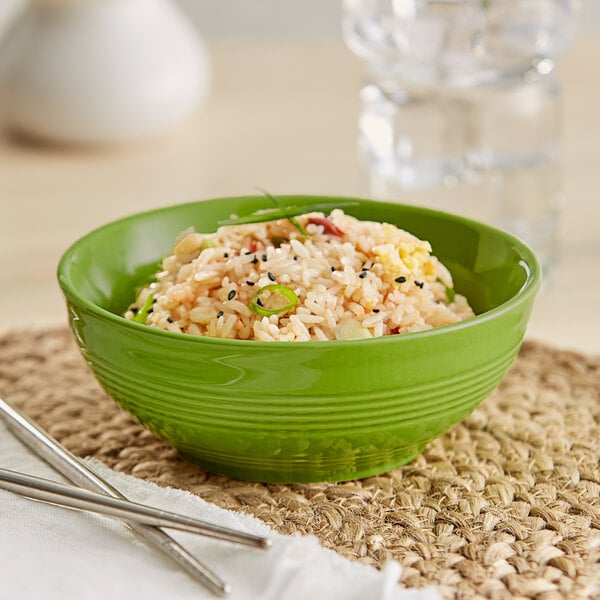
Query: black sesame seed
[[226, 255], [135, 310], [254, 260], [362, 274], [333, 269], [365, 269], [219, 314], [419, 284], [259, 302], [150, 310], [295, 258], [249, 282], [247, 252], [264, 258], [169, 319], [271, 276], [231, 295], [375, 310], [400, 279]]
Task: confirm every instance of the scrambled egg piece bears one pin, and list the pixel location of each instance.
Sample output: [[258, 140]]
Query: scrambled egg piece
[[408, 257]]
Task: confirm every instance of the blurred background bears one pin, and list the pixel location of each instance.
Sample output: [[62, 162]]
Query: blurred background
[[237, 19], [274, 103]]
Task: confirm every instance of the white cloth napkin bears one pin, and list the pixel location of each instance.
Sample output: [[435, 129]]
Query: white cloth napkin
[[55, 553]]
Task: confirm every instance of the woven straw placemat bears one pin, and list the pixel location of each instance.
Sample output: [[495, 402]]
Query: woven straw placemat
[[506, 505]]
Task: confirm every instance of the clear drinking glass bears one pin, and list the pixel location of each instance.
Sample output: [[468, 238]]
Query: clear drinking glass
[[460, 107]]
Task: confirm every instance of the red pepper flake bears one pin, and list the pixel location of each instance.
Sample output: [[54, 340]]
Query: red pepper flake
[[328, 226], [253, 247]]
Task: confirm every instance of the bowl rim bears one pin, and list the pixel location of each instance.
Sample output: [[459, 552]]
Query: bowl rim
[[529, 261]]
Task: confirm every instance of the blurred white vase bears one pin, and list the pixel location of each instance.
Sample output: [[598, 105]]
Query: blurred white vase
[[103, 71]]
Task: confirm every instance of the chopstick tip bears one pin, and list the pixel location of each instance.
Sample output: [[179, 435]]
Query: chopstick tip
[[226, 589]]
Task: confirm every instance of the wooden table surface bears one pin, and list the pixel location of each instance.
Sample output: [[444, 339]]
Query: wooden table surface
[[281, 116]]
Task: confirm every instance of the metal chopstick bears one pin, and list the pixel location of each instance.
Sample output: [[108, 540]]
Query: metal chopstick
[[66, 463], [74, 497]]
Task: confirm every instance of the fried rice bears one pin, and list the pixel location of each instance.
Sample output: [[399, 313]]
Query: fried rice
[[311, 277]]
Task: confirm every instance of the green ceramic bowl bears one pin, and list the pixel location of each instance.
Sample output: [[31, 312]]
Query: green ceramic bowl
[[298, 411]]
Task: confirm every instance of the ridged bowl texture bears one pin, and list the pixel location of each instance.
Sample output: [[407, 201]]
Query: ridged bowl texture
[[298, 411]]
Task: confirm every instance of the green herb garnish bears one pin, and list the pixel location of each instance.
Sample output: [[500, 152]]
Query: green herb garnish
[[272, 300], [450, 293], [277, 241], [292, 220], [142, 314], [298, 226], [207, 243], [284, 212]]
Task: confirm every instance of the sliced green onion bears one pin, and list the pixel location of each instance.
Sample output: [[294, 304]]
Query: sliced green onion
[[277, 241], [273, 214], [450, 293], [207, 243], [298, 226], [262, 303], [142, 314], [292, 219], [275, 201]]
